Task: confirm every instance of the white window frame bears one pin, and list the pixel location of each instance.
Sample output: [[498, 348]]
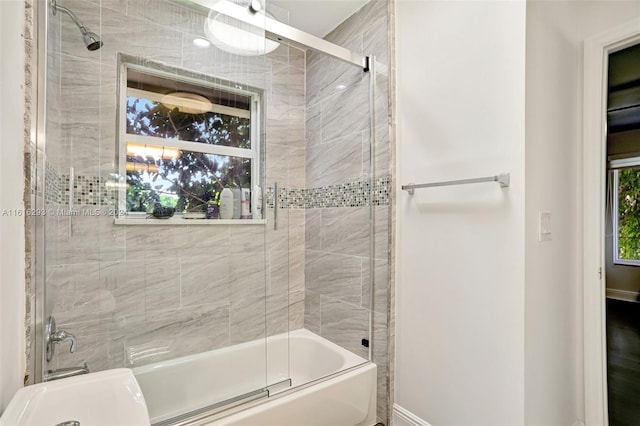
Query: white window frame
[[616, 165], [255, 115]]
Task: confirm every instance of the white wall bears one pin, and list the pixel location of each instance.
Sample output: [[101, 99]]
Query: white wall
[[554, 359], [460, 284], [460, 111], [12, 248]]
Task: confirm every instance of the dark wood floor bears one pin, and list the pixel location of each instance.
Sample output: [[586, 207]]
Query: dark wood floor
[[623, 362]]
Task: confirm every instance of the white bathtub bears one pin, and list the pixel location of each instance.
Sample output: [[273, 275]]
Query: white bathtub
[[189, 383]]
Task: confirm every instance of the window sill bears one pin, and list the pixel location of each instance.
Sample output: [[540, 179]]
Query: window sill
[[626, 262], [182, 221]]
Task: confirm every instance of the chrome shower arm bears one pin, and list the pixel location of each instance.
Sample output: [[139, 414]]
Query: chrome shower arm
[[91, 40], [56, 7]]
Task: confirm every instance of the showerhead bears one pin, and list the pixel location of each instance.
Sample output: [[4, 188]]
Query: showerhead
[[91, 39]]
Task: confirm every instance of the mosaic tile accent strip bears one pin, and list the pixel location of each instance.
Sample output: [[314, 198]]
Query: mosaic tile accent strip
[[89, 191], [94, 191], [352, 194], [52, 193]]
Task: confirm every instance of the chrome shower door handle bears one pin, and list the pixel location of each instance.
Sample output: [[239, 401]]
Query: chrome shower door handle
[[275, 205]]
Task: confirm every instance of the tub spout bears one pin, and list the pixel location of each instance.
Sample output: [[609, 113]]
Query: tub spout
[[63, 373]]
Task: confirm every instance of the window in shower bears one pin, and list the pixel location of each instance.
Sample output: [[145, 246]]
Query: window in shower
[[183, 139]]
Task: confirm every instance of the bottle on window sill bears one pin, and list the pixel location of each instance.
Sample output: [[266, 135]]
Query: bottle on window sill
[[213, 210], [226, 204]]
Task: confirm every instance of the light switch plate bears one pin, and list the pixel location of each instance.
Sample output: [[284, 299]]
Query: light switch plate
[[544, 226]]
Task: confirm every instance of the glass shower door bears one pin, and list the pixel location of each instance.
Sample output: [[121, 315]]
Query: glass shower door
[[158, 122]]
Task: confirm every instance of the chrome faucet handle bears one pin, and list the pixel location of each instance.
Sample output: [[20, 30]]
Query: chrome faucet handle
[[62, 336]]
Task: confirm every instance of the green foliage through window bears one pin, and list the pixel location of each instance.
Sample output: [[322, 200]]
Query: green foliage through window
[[628, 214], [165, 165]]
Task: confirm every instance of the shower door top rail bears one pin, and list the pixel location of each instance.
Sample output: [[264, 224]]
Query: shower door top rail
[[278, 31], [502, 179]]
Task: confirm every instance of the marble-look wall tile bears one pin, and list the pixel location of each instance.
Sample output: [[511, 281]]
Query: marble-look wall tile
[[335, 162], [155, 241], [312, 311], [278, 266], [382, 409], [74, 291], [204, 280], [165, 13], [285, 165], [346, 112], [296, 170], [296, 229], [286, 270], [313, 229], [333, 116], [79, 89], [247, 239], [296, 269], [367, 17], [381, 283], [247, 276], [334, 275], [81, 239], [326, 230], [329, 77], [247, 318], [375, 40], [277, 310], [171, 334], [88, 115], [94, 347], [115, 5], [134, 287], [296, 310], [382, 98], [381, 227], [162, 285], [338, 222], [205, 240], [344, 324], [382, 159], [287, 80], [381, 358], [285, 119], [313, 125], [289, 55], [123, 286], [253, 71], [111, 239]]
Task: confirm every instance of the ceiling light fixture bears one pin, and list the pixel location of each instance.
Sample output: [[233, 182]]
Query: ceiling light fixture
[[190, 103], [201, 42], [233, 36]]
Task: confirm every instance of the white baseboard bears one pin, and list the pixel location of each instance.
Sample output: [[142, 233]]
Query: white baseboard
[[403, 417], [631, 296]]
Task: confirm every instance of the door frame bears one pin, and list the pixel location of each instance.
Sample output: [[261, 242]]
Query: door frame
[[596, 55]]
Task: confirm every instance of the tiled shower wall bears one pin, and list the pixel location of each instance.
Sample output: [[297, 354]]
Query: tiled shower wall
[[337, 273], [128, 292], [140, 294]]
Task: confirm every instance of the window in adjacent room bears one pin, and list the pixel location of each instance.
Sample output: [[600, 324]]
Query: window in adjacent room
[[626, 214]]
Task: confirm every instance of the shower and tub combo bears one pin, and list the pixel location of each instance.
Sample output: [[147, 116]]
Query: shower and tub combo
[[267, 315]]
